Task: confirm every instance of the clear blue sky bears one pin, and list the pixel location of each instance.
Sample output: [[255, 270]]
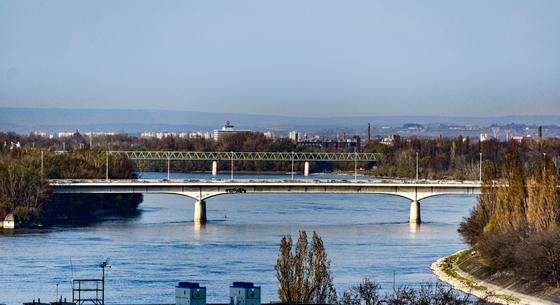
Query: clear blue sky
[[289, 57]]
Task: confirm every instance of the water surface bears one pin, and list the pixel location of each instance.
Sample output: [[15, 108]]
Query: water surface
[[365, 236]]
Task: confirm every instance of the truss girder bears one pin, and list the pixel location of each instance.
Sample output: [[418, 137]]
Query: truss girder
[[248, 156]]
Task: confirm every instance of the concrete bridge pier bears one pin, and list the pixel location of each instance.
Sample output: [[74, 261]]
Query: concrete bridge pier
[[415, 212], [306, 169], [200, 211], [214, 168]]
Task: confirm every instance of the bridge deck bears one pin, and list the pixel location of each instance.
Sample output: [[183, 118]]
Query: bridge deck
[[202, 189]]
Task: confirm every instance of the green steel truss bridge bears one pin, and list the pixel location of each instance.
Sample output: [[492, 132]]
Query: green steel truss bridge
[[249, 156]]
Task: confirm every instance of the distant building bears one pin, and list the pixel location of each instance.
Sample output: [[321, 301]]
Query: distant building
[[294, 136], [484, 137], [65, 134], [228, 129], [42, 134], [268, 135], [158, 135], [199, 135], [390, 140]]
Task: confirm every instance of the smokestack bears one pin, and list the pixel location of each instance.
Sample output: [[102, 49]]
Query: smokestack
[[368, 132], [540, 132]]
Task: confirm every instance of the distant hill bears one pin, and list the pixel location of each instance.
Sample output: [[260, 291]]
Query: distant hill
[[134, 121]]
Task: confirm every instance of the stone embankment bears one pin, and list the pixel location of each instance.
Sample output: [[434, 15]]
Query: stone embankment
[[448, 269]]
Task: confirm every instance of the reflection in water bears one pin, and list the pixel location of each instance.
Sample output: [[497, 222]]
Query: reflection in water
[[197, 227], [414, 228], [365, 236], [6, 232]]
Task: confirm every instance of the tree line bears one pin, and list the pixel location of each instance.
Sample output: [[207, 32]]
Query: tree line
[[515, 225], [25, 191], [439, 158]]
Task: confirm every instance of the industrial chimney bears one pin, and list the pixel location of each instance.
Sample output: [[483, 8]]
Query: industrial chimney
[[368, 132]]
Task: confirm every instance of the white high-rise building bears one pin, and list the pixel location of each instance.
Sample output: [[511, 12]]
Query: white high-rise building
[[228, 129], [294, 136]]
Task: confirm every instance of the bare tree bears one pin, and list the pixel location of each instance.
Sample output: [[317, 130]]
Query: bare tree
[[367, 292]]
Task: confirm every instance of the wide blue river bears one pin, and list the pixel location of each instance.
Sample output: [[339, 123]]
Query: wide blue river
[[364, 235]]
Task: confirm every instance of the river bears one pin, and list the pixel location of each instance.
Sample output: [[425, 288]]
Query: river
[[364, 235]]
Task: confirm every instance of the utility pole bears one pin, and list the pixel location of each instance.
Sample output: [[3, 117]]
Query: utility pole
[[90, 139], [103, 265], [355, 164], [292, 165], [544, 165], [107, 166], [168, 168], [416, 166], [480, 169], [42, 161]]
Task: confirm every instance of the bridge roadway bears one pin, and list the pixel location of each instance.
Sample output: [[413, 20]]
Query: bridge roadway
[[200, 190]]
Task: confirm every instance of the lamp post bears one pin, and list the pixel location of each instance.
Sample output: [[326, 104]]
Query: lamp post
[[544, 165], [107, 166], [103, 265], [416, 166], [292, 165], [355, 164], [168, 168], [232, 165], [480, 168]]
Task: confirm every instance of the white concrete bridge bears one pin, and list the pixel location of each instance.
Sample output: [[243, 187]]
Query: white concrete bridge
[[200, 190]]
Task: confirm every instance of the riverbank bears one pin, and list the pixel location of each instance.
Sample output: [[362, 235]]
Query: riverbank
[[465, 271]]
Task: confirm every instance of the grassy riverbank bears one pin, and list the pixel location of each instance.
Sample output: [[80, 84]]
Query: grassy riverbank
[[468, 272]]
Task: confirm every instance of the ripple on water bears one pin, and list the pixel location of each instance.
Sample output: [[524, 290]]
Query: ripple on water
[[365, 236]]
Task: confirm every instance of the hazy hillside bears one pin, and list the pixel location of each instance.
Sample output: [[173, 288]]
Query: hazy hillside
[[132, 121]]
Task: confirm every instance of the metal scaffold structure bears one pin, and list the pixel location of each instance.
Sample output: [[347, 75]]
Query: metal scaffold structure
[[249, 156]]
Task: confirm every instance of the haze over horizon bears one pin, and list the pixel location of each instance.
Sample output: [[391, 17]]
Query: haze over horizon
[[289, 58]]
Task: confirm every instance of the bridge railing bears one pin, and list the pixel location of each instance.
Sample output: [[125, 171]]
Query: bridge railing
[[248, 156], [272, 181]]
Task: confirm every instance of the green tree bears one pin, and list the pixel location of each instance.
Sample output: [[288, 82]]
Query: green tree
[[22, 190]]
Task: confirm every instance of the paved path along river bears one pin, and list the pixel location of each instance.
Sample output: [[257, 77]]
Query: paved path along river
[[365, 236]]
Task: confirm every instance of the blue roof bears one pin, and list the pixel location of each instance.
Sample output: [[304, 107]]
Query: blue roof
[[242, 285], [188, 285]]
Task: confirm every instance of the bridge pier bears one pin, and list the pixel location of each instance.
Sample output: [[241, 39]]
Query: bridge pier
[[200, 211], [415, 212], [306, 169], [214, 168]]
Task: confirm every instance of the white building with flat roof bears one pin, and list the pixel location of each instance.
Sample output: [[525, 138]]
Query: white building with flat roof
[[228, 129]]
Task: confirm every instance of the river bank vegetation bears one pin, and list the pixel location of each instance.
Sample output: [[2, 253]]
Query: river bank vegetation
[[304, 277], [440, 158], [515, 227], [25, 192]]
